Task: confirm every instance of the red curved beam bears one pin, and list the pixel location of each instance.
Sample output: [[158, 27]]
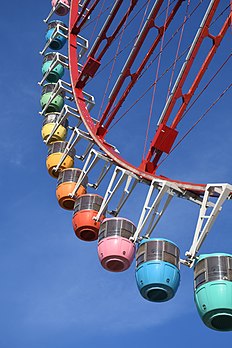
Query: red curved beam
[[89, 124]]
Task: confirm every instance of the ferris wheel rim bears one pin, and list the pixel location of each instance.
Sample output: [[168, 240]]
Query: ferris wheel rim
[[108, 149]]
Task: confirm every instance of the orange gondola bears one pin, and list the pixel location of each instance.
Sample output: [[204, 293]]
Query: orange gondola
[[66, 183], [86, 208]]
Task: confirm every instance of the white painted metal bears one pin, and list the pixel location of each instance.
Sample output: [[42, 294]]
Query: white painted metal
[[88, 149], [54, 8], [58, 58], [82, 43], [74, 139], [61, 85], [207, 215], [107, 166], [58, 4], [157, 214], [131, 182], [57, 32], [64, 114], [119, 176], [92, 159], [90, 102], [150, 211]]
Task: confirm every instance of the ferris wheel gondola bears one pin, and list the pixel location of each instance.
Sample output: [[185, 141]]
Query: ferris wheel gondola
[[95, 37]]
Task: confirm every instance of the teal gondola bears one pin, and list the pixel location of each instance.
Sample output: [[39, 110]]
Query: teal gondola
[[213, 290], [56, 73]]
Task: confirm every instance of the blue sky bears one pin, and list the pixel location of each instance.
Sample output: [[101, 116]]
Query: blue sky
[[54, 292]]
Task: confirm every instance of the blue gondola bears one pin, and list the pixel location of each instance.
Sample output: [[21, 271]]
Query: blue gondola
[[157, 269], [59, 40]]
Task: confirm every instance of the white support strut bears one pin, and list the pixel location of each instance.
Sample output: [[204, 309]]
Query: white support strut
[[57, 59], [131, 182], [92, 159], [150, 211], [60, 86], [54, 8], [64, 114], [60, 30], [76, 136], [114, 184], [61, 3], [207, 218]]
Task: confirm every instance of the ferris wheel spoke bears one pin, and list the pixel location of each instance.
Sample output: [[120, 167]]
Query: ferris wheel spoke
[[93, 63], [82, 16], [134, 76], [102, 35], [126, 70], [72, 132], [165, 135]]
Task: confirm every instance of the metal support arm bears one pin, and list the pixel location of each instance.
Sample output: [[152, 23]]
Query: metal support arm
[[150, 211], [91, 161], [64, 114], [76, 136], [206, 217], [119, 176]]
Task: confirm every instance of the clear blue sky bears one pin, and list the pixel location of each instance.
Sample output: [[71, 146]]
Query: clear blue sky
[[53, 291]]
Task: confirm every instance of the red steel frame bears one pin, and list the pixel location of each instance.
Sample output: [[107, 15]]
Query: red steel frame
[[165, 135], [154, 151]]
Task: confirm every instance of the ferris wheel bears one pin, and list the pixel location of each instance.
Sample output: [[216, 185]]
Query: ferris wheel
[[120, 80]]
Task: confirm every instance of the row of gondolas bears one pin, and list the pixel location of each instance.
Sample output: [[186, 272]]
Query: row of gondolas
[[157, 259]]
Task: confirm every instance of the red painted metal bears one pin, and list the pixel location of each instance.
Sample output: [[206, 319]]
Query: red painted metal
[[109, 150], [186, 97], [82, 17], [126, 72], [89, 70], [110, 39], [93, 63], [164, 138], [103, 34], [154, 151], [135, 75]]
